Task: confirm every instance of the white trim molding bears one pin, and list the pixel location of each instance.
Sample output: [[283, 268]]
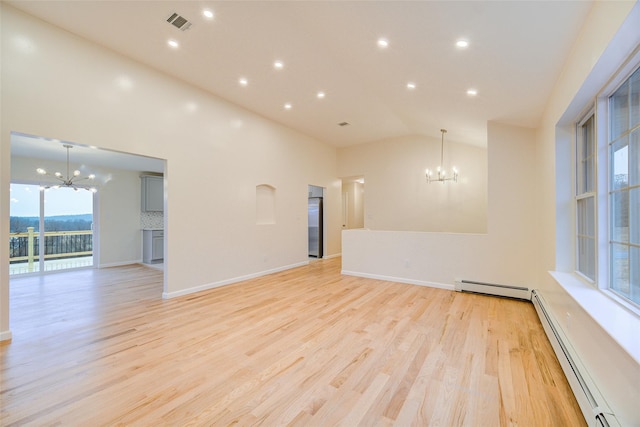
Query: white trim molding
[[207, 286], [400, 280], [338, 255]]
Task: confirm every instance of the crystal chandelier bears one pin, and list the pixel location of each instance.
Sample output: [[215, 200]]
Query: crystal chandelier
[[442, 174], [70, 180]]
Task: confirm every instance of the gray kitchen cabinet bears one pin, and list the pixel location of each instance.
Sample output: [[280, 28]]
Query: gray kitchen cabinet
[[152, 193], [152, 246]]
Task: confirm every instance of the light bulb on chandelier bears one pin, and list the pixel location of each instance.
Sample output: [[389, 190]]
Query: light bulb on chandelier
[[441, 172]]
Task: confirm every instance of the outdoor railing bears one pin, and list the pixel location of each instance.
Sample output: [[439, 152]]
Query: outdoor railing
[[57, 244]]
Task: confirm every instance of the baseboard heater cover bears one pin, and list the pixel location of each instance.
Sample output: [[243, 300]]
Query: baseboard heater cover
[[508, 291], [594, 408]]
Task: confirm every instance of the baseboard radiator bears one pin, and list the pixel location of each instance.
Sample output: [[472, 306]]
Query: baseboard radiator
[[594, 408], [592, 404], [508, 291]]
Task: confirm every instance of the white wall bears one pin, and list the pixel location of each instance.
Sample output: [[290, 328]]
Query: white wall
[[606, 339], [119, 221], [61, 86], [118, 196], [398, 196], [506, 254]]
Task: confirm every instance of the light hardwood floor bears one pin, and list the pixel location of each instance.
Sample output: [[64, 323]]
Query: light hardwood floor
[[305, 347]]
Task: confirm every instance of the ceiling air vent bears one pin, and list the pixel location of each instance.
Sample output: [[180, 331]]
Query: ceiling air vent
[[180, 22]]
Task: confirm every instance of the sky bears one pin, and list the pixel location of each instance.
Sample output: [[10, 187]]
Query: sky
[[25, 201]]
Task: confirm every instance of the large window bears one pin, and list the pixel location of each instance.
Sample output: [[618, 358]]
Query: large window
[[608, 236], [586, 198], [624, 189], [49, 229]]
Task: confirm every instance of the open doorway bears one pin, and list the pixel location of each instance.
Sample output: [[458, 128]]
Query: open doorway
[[353, 202], [316, 221], [117, 219]]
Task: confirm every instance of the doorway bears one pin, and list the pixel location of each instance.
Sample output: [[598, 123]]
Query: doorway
[[118, 219], [316, 222], [353, 202]]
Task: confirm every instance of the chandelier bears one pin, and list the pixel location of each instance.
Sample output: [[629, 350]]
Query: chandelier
[[442, 174], [70, 180]]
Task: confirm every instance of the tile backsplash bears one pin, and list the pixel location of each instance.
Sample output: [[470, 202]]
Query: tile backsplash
[[151, 220]]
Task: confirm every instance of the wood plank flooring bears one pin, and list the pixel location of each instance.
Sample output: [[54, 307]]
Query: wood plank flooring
[[304, 347]]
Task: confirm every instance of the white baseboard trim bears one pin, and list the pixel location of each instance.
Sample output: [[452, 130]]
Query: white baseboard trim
[[120, 264], [5, 336], [338, 255], [169, 295], [400, 280]]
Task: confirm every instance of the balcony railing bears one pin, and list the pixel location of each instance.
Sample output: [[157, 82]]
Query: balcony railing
[[25, 247]]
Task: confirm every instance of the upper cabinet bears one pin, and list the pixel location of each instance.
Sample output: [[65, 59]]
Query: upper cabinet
[[152, 193]]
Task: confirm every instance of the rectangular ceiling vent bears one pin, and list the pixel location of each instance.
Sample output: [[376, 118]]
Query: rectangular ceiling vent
[[180, 22]]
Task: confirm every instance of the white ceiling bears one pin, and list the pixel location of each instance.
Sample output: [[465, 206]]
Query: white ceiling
[[52, 149], [516, 52]]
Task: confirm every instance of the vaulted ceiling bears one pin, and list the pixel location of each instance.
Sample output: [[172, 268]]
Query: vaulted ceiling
[[515, 52]]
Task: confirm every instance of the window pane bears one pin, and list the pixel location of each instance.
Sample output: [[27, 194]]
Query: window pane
[[24, 224], [619, 111], [586, 257], [585, 178], [24, 208], [590, 217], [620, 163], [580, 211], [634, 215], [590, 270], [635, 98], [620, 269], [620, 216], [635, 275], [586, 220], [634, 157], [586, 248], [68, 219]]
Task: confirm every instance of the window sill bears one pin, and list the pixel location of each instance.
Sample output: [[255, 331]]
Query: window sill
[[621, 323]]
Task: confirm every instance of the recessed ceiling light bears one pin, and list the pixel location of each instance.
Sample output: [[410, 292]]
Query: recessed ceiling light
[[124, 83], [472, 92], [243, 81], [321, 95], [462, 44], [207, 13], [383, 43], [288, 106], [191, 107], [411, 85], [172, 43], [278, 65]]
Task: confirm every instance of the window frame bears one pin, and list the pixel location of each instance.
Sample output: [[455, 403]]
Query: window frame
[[609, 142], [603, 269], [580, 196]]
